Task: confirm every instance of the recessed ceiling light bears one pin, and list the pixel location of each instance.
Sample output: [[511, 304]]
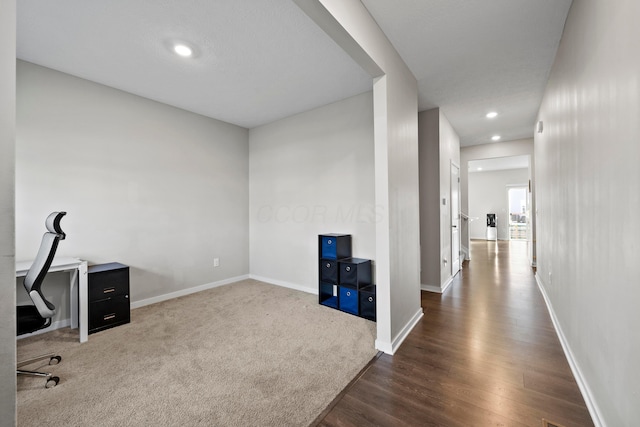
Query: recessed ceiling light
[[183, 50], [492, 114], [479, 169], [495, 137]]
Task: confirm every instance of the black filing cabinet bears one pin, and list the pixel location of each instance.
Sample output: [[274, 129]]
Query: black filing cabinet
[[108, 296]]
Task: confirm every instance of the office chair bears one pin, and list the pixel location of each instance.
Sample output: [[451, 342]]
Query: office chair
[[31, 318]]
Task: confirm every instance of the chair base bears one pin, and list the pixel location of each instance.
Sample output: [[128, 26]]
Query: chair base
[[54, 359]]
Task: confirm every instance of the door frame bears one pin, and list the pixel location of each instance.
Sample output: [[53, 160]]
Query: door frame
[[510, 187], [455, 223]]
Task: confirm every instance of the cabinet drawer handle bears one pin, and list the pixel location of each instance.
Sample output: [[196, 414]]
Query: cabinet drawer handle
[[348, 293], [108, 290], [110, 316], [347, 268], [370, 299], [329, 242], [328, 265]]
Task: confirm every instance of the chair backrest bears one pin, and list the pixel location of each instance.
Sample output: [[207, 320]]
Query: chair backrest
[[38, 270]]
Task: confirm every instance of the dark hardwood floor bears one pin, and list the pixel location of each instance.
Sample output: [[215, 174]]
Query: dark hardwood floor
[[484, 354]]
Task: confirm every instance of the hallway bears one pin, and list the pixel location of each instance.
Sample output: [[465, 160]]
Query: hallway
[[484, 354]]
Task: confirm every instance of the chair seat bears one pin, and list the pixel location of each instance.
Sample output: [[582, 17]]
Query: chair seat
[[28, 319]]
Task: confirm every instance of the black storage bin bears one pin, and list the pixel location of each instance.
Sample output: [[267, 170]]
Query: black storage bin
[[329, 271], [328, 294], [348, 300], [355, 272], [334, 246], [367, 296]]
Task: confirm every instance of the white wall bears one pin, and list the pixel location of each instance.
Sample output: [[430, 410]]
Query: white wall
[[430, 244], [449, 153], [439, 148], [488, 194], [396, 162], [395, 103], [488, 151], [310, 174], [151, 186], [7, 212], [588, 182]]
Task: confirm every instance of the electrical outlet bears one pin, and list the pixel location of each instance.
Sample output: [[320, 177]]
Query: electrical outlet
[[216, 262]]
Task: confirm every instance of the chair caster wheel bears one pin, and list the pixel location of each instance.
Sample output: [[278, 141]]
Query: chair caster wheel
[[52, 382], [55, 360]]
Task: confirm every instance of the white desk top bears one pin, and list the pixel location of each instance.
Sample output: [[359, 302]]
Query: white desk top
[[58, 264]]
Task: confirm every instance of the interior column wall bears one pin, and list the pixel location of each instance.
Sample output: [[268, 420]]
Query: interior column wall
[[396, 162], [429, 133], [7, 212], [439, 149]]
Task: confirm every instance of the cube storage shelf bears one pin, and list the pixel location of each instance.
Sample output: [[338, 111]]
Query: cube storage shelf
[[345, 282]]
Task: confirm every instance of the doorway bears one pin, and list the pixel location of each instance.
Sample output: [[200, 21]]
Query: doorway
[[518, 213], [455, 219]]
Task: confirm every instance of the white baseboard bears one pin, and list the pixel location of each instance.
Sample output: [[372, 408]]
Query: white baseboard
[[289, 285], [437, 289], [392, 347], [587, 395], [188, 291], [466, 253]]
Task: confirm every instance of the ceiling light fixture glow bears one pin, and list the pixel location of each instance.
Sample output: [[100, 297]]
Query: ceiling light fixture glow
[[492, 114], [183, 50], [495, 138]]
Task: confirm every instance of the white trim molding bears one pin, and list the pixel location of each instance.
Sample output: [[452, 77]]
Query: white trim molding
[[466, 253], [438, 289], [188, 291], [587, 395], [289, 285], [392, 347]]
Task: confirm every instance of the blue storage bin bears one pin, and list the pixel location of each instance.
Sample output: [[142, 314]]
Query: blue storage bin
[[335, 246], [348, 300]]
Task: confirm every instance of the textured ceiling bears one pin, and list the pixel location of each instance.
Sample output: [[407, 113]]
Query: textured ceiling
[[475, 56], [261, 60], [256, 60]]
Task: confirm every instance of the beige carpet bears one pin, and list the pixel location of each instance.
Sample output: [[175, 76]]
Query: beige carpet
[[246, 354]]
